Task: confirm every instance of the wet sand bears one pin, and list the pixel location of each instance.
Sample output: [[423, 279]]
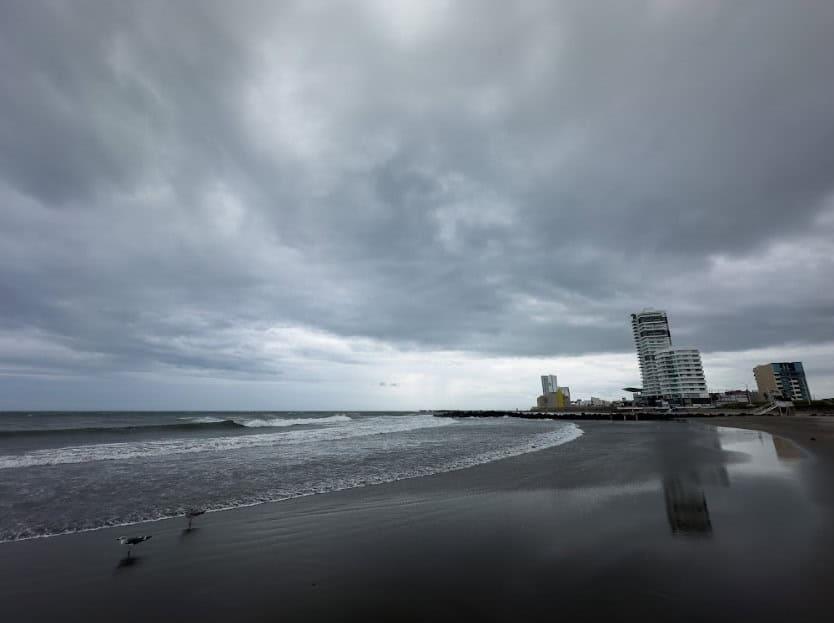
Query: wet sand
[[661, 521], [814, 433]]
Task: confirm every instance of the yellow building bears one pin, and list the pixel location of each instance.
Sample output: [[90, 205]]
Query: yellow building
[[553, 401]]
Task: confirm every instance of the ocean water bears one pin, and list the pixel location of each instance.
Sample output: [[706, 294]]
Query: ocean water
[[67, 472]]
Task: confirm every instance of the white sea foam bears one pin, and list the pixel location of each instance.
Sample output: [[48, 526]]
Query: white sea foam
[[207, 419], [283, 422], [566, 433], [380, 425]]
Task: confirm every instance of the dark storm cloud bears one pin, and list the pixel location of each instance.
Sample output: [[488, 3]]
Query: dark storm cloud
[[178, 178]]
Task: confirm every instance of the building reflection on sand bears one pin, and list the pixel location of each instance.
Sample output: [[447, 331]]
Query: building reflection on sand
[[686, 502], [786, 450]]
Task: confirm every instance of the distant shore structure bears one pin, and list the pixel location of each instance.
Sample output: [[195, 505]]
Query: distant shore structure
[[673, 375], [553, 397], [784, 380]]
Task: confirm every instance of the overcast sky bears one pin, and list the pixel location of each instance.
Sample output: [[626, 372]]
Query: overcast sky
[[372, 205]]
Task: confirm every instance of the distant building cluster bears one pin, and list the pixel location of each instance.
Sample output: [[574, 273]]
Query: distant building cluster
[[556, 398], [674, 376], [553, 397]]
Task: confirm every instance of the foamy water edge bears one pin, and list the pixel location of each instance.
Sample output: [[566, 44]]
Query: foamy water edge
[[544, 441]]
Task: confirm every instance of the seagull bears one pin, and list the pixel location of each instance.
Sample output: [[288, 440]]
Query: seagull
[[191, 513], [130, 541]]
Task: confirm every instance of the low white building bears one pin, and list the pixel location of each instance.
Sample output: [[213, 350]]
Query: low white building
[[733, 396], [592, 402], [680, 375]]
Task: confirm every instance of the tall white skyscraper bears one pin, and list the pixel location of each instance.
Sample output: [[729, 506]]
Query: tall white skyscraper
[[549, 384], [651, 334], [674, 374]]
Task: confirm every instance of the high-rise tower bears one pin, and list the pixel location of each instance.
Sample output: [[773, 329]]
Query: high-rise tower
[[651, 334], [673, 374]]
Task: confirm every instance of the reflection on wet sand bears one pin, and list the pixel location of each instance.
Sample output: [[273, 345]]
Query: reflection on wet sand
[[686, 501], [786, 450], [686, 507]]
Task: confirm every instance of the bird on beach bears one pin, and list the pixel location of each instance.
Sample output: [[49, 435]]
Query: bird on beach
[[130, 541], [191, 513]]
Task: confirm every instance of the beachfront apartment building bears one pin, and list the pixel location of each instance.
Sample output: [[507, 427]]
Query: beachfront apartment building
[[680, 375], [782, 381], [650, 328]]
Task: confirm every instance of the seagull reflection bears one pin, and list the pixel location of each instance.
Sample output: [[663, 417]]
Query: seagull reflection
[[126, 562]]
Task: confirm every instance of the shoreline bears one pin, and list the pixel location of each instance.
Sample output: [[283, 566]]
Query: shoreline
[[797, 429], [563, 436], [508, 540]]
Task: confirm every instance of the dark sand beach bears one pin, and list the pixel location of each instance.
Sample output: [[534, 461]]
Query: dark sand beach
[[640, 521], [815, 433]]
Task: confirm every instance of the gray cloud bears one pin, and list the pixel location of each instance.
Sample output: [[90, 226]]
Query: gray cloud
[[176, 180]]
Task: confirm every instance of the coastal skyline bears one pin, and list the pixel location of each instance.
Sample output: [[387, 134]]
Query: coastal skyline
[[420, 205]]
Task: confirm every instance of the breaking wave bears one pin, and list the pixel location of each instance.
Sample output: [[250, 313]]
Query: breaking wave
[[163, 447], [282, 422], [197, 423], [565, 434]]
